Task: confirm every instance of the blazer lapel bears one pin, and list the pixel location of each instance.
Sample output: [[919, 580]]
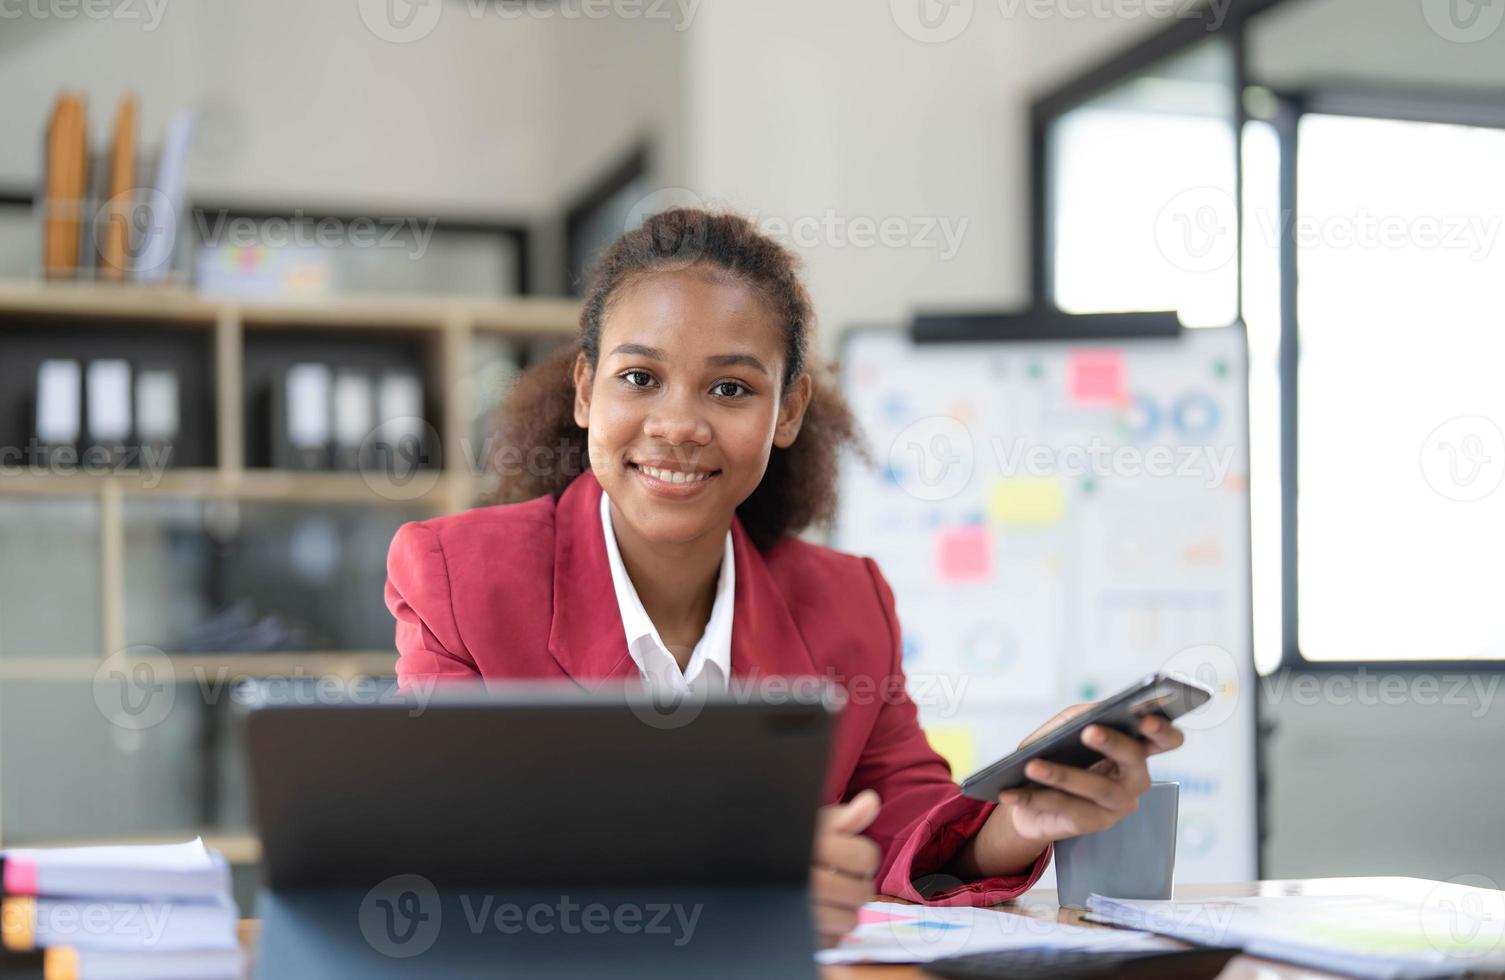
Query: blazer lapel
[[765, 639], [586, 637]]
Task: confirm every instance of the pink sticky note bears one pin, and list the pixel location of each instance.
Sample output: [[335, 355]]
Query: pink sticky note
[[1097, 377], [964, 554], [20, 877], [866, 917]]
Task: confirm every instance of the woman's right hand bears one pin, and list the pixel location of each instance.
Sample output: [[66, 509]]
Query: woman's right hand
[[841, 877]]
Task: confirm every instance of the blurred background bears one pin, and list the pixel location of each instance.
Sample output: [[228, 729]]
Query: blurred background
[[267, 268]]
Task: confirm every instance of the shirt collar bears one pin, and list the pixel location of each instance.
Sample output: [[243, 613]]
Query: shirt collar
[[586, 635], [715, 646]]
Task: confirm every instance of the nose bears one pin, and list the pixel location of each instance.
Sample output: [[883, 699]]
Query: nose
[[677, 421]]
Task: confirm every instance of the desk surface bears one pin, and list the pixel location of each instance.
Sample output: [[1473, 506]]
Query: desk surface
[[1041, 904]]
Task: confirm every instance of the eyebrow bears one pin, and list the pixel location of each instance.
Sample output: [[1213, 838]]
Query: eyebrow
[[717, 360]]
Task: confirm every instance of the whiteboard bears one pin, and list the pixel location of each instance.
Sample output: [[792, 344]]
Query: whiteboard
[[1057, 519]]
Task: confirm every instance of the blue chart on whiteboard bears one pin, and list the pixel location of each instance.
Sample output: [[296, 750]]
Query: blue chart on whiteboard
[[1058, 519]]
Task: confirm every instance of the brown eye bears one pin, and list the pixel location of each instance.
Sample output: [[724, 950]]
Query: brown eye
[[648, 378], [737, 387]]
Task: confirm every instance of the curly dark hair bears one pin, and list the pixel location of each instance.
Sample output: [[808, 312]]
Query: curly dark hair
[[536, 420]]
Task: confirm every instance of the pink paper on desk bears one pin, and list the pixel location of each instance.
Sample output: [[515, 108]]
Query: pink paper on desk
[[868, 916]]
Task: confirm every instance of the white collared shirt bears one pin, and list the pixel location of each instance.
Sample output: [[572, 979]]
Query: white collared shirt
[[710, 665]]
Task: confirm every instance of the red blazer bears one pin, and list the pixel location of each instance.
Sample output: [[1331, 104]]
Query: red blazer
[[524, 591]]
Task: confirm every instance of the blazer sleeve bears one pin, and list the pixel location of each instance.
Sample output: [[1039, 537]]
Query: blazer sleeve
[[924, 819], [429, 647]]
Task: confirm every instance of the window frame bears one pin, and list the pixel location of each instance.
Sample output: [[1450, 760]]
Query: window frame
[[1398, 103], [636, 164], [1404, 105]]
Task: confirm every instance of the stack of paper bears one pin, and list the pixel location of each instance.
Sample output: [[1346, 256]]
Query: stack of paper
[[161, 912], [1457, 930], [888, 932]]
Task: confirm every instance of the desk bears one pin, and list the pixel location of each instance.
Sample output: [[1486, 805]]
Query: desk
[[1041, 903]]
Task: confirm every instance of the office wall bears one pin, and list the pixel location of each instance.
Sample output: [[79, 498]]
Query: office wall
[[1369, 783], [1385, 43], [302, 104], [830, 118], [810, 114]]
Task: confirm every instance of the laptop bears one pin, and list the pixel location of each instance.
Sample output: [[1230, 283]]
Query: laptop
[[536, 830]]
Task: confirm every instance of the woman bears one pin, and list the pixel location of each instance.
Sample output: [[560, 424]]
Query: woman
[[653, 478]]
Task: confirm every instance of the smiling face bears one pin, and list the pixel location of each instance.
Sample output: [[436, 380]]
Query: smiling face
[[685, 405]]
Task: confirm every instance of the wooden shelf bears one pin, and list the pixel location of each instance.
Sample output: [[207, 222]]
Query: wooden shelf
[[440, 331], [105, 302], [343, 664], [430, 487], [545, 317], [317, 663], [523, 316]]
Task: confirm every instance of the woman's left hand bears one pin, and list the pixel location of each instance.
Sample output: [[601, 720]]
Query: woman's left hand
[[1073, 801], [1069, 801]]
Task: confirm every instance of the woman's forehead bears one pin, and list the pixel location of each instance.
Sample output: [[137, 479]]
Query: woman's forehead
[[690, 310]]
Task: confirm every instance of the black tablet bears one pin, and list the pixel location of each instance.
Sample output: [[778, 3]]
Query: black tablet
[[1157, 694], [536, 784], [536, 831]]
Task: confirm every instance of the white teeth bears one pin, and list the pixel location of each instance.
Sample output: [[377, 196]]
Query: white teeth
[[673, 476]]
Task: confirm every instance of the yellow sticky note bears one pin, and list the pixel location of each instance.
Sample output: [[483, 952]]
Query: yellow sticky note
[[1026, 502], [956, 746]]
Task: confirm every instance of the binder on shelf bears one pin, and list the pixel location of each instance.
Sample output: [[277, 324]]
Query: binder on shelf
[[498, 366], [158, 412], [59, 411], [354, 413], [107, 407], [64, 187], [164, 204], [119, 196], [401, 443], [301, 424]]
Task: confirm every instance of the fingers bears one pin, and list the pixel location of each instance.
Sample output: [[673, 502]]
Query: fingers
[[832, 922], [839, 890], [1069, 815], [1105, 791], [1073, 801], [1125, 751], [1161, 734], [1064, 715], [851, 817], [850, 855], [845, 863]]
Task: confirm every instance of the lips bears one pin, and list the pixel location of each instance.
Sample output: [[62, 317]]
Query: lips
[[667, 475], [672, 479]]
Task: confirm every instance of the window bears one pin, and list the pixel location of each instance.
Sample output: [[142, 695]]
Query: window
[[1141, 193], [1366, 265], [1399, 452]]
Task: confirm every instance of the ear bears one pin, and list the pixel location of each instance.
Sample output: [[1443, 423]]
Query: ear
[[792, 411], [584, 378]]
